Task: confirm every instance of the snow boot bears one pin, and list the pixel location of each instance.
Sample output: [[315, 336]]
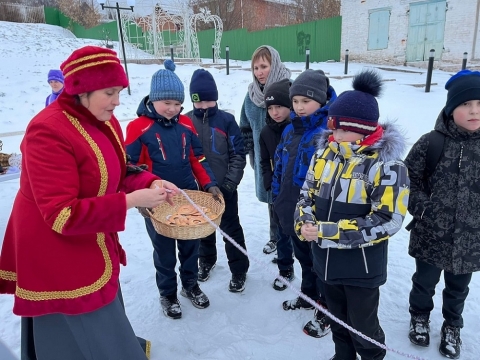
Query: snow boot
[[237, 284], [319, 326], [270, 247], [450, 342], [196, 296], [297, 303], [288, 275], [419, 333], [171, 306], [204, 270]]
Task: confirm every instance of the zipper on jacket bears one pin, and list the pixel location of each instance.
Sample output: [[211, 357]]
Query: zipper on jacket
[[326, 263], [160, 145], [332, 192], [365, 260], [461, 155], [184, 144]]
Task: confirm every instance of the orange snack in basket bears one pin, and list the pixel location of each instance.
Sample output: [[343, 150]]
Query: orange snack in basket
[[188, 215]]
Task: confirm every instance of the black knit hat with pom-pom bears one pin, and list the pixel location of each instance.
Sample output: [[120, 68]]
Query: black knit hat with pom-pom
[[357, 110]]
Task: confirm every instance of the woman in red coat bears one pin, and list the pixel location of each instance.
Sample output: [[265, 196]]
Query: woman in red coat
[[61, 255]]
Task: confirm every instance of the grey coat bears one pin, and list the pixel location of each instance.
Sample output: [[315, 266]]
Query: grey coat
[[253, 116], [447, 231]]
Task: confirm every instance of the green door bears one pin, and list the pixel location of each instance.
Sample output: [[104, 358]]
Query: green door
[[425, 30]]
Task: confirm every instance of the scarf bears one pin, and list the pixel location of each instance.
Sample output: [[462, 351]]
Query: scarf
[[278, 71]]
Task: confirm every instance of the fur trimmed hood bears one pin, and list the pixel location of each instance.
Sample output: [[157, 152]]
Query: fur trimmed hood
[[391, 146]]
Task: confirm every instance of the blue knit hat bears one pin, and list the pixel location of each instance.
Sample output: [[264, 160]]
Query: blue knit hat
[[357, 110], [166, 85], [462, 87], [203, 87], [55, 75]]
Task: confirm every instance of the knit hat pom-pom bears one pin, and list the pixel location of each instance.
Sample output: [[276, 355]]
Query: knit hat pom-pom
[[368, 81], [169, 65]]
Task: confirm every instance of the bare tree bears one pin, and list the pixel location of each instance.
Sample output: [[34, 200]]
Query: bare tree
[[84, 13], [229, 11], [314, 9]]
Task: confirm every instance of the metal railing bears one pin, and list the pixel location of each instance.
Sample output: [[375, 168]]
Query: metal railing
[[21, 13]]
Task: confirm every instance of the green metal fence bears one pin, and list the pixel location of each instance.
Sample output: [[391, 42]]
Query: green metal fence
[[322, 37]]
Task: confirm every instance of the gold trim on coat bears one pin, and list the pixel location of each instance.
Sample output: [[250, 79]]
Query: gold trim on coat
[[107, 274]]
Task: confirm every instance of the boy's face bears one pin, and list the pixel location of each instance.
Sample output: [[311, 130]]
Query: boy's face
[[304, 106], [55, 85], [346, 136], [467, 115], [261, 69], [278, 113], [204, 104], [167, 108]]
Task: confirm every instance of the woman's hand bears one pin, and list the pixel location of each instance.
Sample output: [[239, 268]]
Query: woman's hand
[[171, 189], [309, 231], [148, 198]]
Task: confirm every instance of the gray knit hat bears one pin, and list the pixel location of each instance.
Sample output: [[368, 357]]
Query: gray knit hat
[[312, 84], [166, 85]]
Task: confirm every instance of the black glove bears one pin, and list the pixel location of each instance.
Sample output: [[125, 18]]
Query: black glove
[[228, 188], [215, 191], [143, 211], [134, 169], [247, 135]]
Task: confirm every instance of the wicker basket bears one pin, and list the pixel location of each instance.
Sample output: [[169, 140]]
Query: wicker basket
[[190, 232], [4, 159]]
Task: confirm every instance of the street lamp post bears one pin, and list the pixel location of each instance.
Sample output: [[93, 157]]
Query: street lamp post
[[131, 4]]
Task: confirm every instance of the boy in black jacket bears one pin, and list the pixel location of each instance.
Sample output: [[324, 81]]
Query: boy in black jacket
[[223, 146], [445, 206], [278, 105]]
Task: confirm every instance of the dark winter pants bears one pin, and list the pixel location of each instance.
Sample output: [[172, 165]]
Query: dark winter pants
[[284, 244], [357, 307], [273, 224], [311, 286], [230, 225], [425, 279], [165, 259]]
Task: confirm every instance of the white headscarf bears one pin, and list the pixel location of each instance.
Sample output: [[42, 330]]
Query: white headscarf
[[278, 71]]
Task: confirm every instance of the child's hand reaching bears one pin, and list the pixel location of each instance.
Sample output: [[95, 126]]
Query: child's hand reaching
[[309, 231]]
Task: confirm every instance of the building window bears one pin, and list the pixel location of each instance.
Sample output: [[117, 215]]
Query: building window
[[378, 28]]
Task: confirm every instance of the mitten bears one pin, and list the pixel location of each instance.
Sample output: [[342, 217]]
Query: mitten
[[247, 135], [215, 191], [228, 188]]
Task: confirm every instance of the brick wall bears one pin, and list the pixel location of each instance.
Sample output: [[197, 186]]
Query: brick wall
[[458, 35]]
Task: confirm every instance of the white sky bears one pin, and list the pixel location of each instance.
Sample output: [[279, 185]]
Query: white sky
[[251, 325]]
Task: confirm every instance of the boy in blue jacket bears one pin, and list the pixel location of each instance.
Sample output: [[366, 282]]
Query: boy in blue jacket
[[167, 142], [311, 96], [223, 145]]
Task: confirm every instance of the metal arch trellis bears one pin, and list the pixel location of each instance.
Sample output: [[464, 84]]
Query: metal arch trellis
[[206, 17], [146, 39]]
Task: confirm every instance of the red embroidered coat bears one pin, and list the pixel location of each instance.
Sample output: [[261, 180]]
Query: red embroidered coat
[[61, 252]]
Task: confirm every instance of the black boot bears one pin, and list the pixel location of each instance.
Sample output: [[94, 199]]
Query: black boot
[[419, 330], [171, 306], [289, 275], [450, 341], [319, 326], [204, 270], [297, 303]]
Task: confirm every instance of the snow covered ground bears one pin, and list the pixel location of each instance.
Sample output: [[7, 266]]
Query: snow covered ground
[[250, 325]]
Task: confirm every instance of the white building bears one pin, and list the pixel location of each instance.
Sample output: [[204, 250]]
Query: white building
[[404, 31]]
